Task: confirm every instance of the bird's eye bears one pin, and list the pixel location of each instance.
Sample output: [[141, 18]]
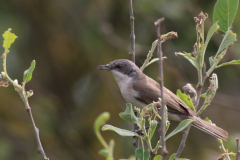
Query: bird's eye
[[118, 66]]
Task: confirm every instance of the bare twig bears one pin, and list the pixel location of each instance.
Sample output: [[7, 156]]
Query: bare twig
[[136, 139], [24, 95], [36, 131], [237, 153], [162, 114], [182, 145], [132, 36], [132, 55]]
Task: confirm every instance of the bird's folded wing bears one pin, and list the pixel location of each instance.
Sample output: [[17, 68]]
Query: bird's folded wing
[[150, 91]]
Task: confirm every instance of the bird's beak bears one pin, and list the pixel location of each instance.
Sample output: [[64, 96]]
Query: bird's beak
[[103, 67]]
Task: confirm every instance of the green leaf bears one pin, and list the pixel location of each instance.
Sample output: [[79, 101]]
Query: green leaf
[[158, 157], [128, 114], [182, 159], [167, 127], [190, 58], [186, 99], [172, 156], [229, 63], [28, 73], [103, 152], [211, 61], [228, 39], [207, 120], [100, 120], [224, 12], [204, 95], [153, 125], [9, 38], [211, 31], [180, 127], [231, 154], [142, 155], [119, 131]]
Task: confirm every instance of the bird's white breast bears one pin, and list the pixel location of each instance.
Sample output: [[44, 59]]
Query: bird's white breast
[[125, 84]]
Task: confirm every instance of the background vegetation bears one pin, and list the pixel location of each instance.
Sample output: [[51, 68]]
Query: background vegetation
[[68, 39]]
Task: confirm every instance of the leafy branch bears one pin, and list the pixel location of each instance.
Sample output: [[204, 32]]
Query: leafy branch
[[9, 38], [147, 115], [223, 18], [108, 148]]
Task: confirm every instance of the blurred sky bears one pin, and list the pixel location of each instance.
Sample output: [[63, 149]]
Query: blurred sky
[[68, 39]]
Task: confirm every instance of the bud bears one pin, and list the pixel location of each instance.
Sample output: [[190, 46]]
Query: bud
[[29, 93], [3, 75], [15, 83]]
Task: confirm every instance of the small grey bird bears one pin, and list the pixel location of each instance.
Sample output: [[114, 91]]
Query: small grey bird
[[141, 90]]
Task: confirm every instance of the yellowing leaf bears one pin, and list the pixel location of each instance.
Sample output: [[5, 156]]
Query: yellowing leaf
[[9, 38]]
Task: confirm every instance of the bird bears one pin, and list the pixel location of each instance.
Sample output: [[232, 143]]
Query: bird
[[141, 90]]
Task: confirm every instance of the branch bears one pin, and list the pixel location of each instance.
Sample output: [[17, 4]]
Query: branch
[[132, 36], [164, 37], [162, 114], [182, 145], [225, 152], [201, 73], [237, 154], [36, 131], [24, 95], [132, 55]]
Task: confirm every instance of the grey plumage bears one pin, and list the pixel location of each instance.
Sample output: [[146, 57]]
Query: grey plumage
[[141, 90]]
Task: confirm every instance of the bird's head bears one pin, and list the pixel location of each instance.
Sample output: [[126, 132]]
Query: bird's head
[[121, 68]]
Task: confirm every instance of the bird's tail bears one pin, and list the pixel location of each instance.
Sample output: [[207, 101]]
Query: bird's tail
[[209, 128]]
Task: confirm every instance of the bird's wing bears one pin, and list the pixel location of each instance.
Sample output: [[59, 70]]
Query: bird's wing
[[148, 93]]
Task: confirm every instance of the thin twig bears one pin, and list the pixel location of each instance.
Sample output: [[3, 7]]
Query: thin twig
[[132, 55], [237, 153], [225, 152], [136, 141], [132, 36], [23, 94], [182, 145], [162, 114], [36, 131]]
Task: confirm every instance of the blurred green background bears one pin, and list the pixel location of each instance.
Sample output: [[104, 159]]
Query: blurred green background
[[68, 39]]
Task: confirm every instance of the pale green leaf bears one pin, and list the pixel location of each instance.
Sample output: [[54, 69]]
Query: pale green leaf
[[182, 159], [189, 58], [103, 152], [224, 12], [228, 39], [211, 61], [180, 127], [172, 156], [128, 114], [186, 99], [9, 38], [229, 63], [211, 31], [153, 125], [100, 120], [207, 120], [158, 157], [142, 155], [28, 73], [204, 95], [119, 131]]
